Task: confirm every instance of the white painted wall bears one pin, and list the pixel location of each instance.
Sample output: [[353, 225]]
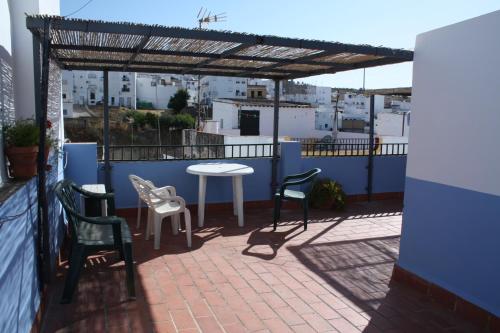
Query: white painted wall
[[393, 124], [461, 122], [297, 122], [22, 51], [150, 89]]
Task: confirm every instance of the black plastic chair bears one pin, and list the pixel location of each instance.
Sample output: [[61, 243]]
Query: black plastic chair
[[92, 234], [293, 195]]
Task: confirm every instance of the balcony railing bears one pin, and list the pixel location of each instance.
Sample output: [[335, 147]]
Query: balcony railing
[[353, 149], [192, 152]]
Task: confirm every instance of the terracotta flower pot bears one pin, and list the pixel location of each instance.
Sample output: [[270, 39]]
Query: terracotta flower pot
[[22, 161]]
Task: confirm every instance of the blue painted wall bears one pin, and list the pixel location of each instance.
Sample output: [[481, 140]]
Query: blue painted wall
[[445, 227], [389, 174], [20, 299], [219, 189], [81, 162]]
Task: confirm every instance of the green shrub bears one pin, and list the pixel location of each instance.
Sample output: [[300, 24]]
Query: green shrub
[[151, 119], [24, 133], [327, 193], [179, 121]]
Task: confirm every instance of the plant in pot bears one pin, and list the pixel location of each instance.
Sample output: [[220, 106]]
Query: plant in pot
[[327, 193], [21, 141]]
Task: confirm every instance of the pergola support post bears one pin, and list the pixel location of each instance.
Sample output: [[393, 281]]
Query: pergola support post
[[107, 164], [274, 170], [41, 103], [371, 141]]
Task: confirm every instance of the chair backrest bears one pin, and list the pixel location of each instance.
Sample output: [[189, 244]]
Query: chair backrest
[[143, 188], [310, 176], [66, 195]]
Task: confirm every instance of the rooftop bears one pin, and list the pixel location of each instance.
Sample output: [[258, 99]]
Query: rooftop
[[334, 277]]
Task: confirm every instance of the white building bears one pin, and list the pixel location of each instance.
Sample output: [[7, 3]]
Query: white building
[[157, 89], [67, 94], [86, 88], [213, 87], [256, 117], [306, 93], [393, 124]]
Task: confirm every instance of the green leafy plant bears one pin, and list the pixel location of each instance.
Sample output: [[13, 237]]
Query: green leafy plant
[[327, 193], [24, 133]]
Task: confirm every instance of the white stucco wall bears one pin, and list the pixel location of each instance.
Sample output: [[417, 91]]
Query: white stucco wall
[[460, 64], [22, 51]]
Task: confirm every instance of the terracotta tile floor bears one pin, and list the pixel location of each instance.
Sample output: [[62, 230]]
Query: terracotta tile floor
[[334, 277]]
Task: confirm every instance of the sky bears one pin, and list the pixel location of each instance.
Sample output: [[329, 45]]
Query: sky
[[390, 23]]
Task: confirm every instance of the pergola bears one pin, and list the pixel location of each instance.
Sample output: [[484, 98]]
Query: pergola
[[75, 44]]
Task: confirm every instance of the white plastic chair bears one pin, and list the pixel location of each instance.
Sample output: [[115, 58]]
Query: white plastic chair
[[138, 183], [162, 206]]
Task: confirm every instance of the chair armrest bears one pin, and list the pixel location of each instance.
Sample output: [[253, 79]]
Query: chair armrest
[[179, 200], [106, 220], [169, 189], [298, 175], [93, 195]]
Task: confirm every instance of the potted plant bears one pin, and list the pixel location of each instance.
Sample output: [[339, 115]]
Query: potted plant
[[326, 193], [21, 141]]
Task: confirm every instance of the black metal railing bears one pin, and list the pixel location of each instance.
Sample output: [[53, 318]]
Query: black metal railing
[[192, 152], [353, 149]]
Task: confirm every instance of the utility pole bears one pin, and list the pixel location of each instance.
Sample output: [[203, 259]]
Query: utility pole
[[205, 18]]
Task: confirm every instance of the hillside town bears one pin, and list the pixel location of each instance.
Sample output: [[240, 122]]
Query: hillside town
[[242, 107]]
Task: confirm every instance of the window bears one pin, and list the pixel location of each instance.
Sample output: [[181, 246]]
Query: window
[[92, 76], [153, 84], [112, 101], [259, 93], [237, 92], [163, 82], [64, 96], [326, 125], [221, 123], [65, 112], [92, 95]]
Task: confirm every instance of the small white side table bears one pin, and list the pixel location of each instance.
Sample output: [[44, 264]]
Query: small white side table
[[236, 171], [95, 188]]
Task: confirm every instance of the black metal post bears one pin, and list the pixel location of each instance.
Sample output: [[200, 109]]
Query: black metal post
[[43, 216], [274, 170], [107, 165], [38, 112], [370, 148]]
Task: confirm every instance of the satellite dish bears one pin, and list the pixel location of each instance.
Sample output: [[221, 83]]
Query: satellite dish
[[327, 139]]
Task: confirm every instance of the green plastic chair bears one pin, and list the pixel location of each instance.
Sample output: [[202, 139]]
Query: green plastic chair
[[92, 234], [293, 195]]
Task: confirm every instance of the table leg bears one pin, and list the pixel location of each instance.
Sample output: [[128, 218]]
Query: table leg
[[239, 199], [235, 206], [104, 207], [202, 187]]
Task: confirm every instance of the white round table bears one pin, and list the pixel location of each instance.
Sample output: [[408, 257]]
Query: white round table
[[236, 171]]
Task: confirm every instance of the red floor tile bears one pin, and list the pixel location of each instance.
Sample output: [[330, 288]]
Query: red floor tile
[[333, 277]]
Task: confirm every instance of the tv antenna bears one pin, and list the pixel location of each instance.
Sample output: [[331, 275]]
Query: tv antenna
[[206, 17]]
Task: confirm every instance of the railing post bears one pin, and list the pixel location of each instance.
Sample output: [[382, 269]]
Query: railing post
[[370, 148], [274, 166], [107, 164]]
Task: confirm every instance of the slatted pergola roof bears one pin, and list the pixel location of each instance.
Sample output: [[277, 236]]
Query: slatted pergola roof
[[97, 45]]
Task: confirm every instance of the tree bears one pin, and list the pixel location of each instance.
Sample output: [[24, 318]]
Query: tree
[[179, 100]]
